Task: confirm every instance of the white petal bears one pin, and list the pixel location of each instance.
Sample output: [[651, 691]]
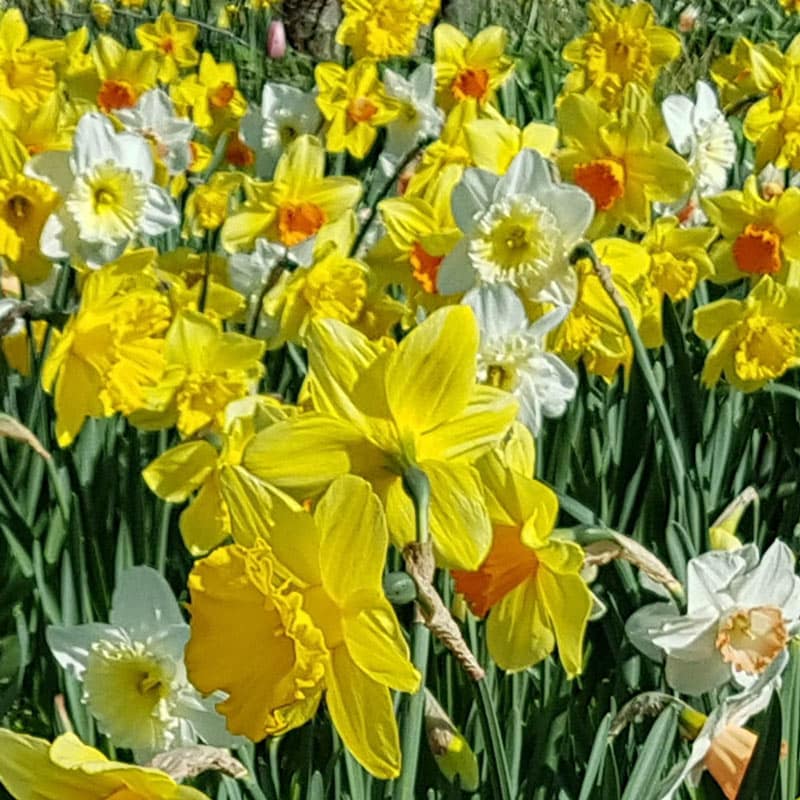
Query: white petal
[[472, 197], [94, 141], [53, 167], [645, 622], [54, 242], [159, 213], [677, 110], [456, 273], [143, 600], [696, 677], [709, 576], [572, 207], [498, 309], [528, 174], [772, 582], [71, 644]]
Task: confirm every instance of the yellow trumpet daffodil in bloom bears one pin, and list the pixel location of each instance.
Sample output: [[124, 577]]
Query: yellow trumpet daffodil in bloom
[[229, 500], [315, 594], [209, 204], [756, 339], [27, 66], [292, 207], [623, 46], [678, 260], [619, 161], [470, 70], [385, 28], [68, 769], [334, 286], [173, 43], [530, 583], [355, 104], [50, 126], [110, 352], [25, 205], [760, 236], [385, 410], [594, 331], [124, 75], [205, 370], [494, 143], [211, 95]]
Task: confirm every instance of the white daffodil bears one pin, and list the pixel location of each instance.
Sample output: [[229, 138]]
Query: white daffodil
[[740, 615], [518, 229], [700, 132], [512, 354], [419, 116], [133, 673], [153, 117], [722, 745], [106, 182]]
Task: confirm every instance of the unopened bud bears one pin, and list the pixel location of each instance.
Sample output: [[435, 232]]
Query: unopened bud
[[276, 39], [101, 14]]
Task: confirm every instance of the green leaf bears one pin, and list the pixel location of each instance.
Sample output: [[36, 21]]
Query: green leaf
[[653, 757]]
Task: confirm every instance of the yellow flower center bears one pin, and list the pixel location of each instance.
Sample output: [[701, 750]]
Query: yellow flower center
[[336, 290], [750, 639], [766, 349], [621, 53], [674, 276], [471, 82], [361, 109], [757, 250], [425, 267], [116, 94], [508, 564], [202, 398], [298, 221], [167, 45], [221, 96], [19, 206], [603, 179]]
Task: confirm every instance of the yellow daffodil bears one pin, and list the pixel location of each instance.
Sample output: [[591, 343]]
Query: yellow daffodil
[[173, 43], [209, 204], [530, 583], [420, 232], [27, 66], [749, 70], [385, 28], [623, 46], [110, 352], [355, 104], [449, 150], [206, 369], [757, 339], [68, 769], [315, 594], [184, 271], [17, 347], [618, 161], [49, 126], [334, 286], [493, 143], [678, 260], [384, 410], [760, 236], [123, 74], [470, 70], [293, 206], [211, 96], [594, 331], [25, 205], [773, 123], [229, 500]]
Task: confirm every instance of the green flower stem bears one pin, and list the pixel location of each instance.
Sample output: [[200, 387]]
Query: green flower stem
[[493, 740], [416, 484]]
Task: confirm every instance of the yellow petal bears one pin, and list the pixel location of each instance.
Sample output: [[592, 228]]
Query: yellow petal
[[205, 523], [375, 642], [175, 474], [431, 377], [353, 540], [517, 630], [362, 712]]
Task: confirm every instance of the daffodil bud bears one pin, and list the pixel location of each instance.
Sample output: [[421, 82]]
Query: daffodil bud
[[101, 14], [451, 750], [276, 39]]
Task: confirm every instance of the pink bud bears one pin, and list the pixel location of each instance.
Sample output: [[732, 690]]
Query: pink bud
[[276, 39]]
